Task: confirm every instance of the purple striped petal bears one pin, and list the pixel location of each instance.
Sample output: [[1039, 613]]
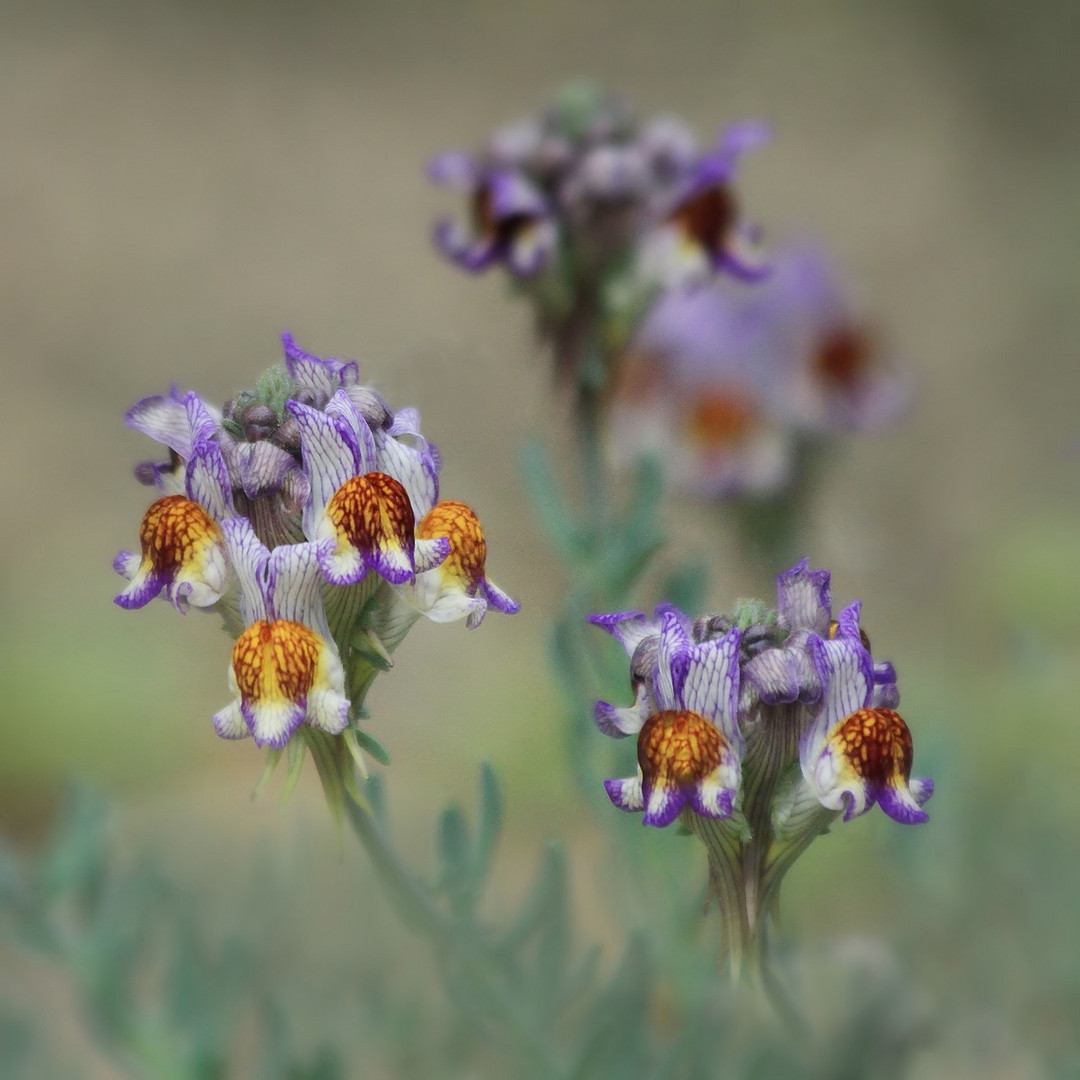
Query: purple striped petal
[[803, 598]]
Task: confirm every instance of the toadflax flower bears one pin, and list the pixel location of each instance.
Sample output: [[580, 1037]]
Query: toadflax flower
[[758, 728], [831, 373], [688, 394], [182, 546], [458, 587], [689, 743], [306, 513], [285, 666], [701, 232], [363, 503], [511, 222], [856, 754]]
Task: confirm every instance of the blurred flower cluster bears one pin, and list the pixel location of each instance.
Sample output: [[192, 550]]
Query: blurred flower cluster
[[756, 730], [730, 384], [661, 314], [307, 514], [593, 212]]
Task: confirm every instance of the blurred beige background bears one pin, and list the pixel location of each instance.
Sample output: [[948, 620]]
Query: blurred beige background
[[182, 181]]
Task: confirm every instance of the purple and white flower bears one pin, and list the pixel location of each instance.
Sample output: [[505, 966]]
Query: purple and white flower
[[367, 491], [285, 668], [855, 753], [700, 230], [832, 374], [688, 393], [688, 738], [182, 549], [511, 221]]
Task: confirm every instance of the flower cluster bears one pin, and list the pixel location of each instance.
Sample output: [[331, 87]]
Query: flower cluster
[[593, 211], [758, 729], [307, 513], [727, 383]]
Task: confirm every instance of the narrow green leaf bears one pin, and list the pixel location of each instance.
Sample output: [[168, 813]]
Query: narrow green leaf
[[372, 745], [548, 878], [490, 824], [555, 519], [74, 861], [453, 847]]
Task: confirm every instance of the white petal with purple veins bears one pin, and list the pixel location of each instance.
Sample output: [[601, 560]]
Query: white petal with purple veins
[[663, 805], [164, 419], [294, 581], [272, 723], [711, 686], [250, 560], [229, 722], [207, 481], [413, 469], [430, 553]]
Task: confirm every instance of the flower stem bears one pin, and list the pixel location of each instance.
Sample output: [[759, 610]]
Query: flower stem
[[771, 747], [727, 885], [471, 957]]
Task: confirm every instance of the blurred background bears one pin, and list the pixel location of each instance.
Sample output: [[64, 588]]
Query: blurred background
[[184, 180]]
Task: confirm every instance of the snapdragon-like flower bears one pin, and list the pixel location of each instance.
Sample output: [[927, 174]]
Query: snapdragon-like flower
[[285, 666], [362, 502], [306, 513], [729, 384], [511, 221], [757, 729], [182, 546], [692, 395], [689, 744], [458, 587], [833, 375], [856, 754], [701, 231]]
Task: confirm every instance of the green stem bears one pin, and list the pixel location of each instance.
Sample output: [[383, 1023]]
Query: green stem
[[589, 426], [784, 854], [414, 903], [418, 909], [774, 986], [771, 747], [727, 884]]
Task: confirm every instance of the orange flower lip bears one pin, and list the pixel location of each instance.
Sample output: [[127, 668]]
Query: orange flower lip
[[372, 521], [876, 743], [182, 551], [173, 530], [275, 661], [720, 420], [372, 511], [468, 549], [678, 748]]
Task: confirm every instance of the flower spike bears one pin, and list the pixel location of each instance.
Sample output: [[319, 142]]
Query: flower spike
[[757, 729], [271, 510]]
